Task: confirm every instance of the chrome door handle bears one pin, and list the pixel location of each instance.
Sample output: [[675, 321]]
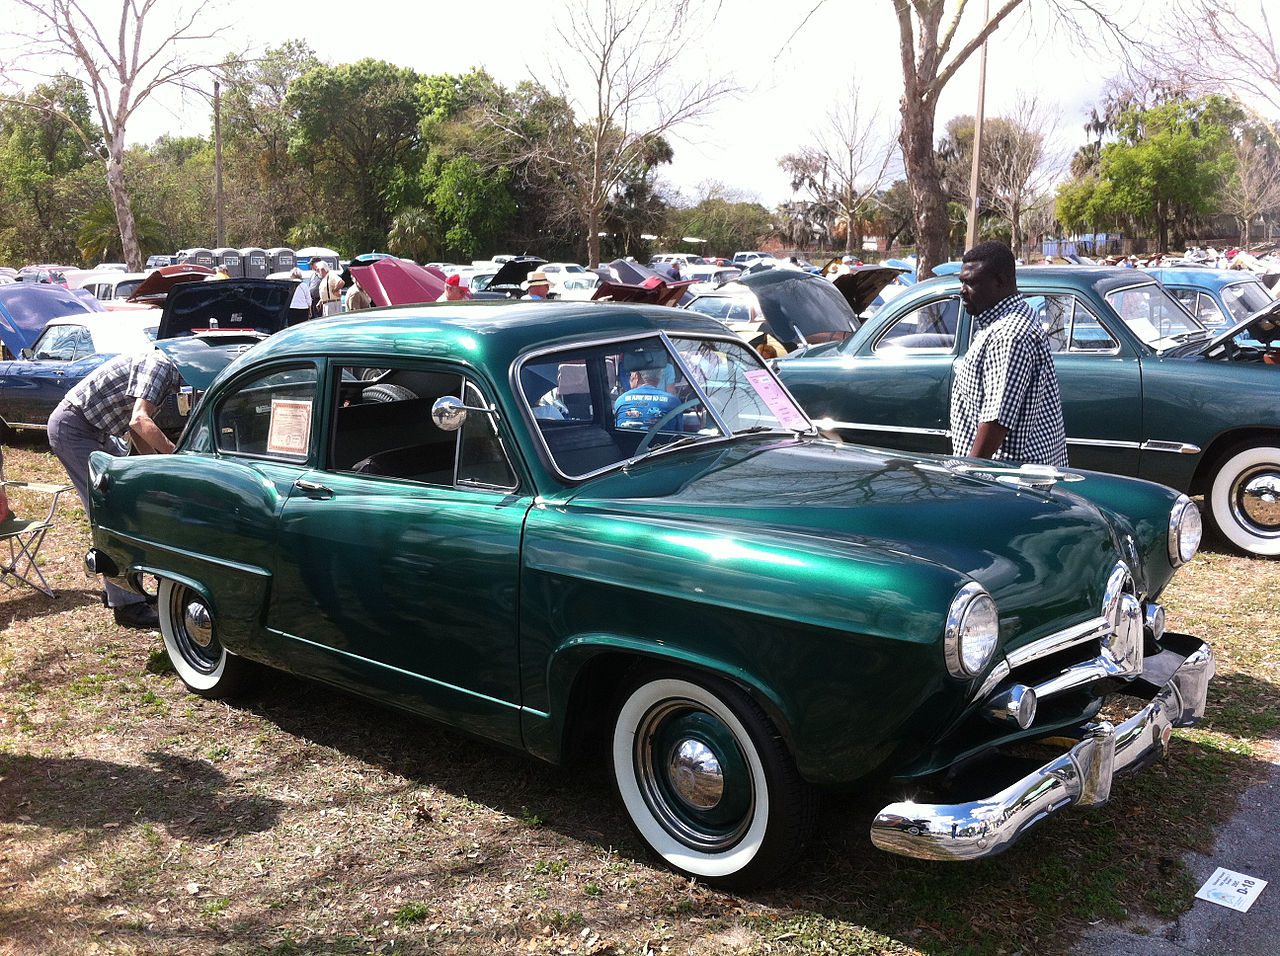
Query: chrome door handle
[[313, 489]]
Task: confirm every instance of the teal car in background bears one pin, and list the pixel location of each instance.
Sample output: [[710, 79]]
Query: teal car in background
[[1147, 390], [444, 508], [1218, 298]]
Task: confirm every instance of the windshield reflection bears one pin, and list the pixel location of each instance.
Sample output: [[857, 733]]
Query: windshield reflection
[[1155, 316]]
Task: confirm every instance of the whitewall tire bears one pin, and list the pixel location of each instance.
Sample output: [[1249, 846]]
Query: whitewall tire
[[191, 641], [1244, 500]]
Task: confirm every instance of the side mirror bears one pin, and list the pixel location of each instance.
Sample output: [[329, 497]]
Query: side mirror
[[450, 414], [27, 354]]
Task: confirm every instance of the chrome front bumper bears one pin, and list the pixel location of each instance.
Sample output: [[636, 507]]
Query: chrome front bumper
[[968, 831]]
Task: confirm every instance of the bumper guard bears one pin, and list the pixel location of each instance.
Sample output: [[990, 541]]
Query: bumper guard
[[969, 831]]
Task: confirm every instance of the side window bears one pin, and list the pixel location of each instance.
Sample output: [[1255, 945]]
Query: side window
[[383, 427], [1087, 333], [1055, 316], [929, 328], [82, 344], [482, 460], [58, 343], [269, 416]]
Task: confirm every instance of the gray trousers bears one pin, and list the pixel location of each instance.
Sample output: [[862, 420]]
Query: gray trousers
[[73, 439]]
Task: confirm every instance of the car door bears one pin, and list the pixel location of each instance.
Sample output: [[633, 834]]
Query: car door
[[33, 387], [892, 386], [399, 557], [1100, 378]]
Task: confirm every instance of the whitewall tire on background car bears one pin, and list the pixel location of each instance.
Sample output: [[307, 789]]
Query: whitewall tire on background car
[[191, 640], [1244, 499], [707, 781]]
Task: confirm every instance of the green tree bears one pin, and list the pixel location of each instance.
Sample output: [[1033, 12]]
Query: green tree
[[358, 131], [41, 197], [1169, 163], [472, 204], [266, 190]]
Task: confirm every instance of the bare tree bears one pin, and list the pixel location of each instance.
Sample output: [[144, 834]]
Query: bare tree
[[616, 69], [845, 167], [1215, 47], [122, 62], [1016, 167], [1254, 188]]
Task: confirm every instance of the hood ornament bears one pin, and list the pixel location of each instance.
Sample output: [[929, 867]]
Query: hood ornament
[[1024, 476]]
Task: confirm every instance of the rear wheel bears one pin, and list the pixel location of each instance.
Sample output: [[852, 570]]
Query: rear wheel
[[707, 781], [191, 640], [1244, 499]]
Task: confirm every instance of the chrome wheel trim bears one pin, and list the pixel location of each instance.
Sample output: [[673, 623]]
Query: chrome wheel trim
[[200, 666], [1255, 500], [730, 857]]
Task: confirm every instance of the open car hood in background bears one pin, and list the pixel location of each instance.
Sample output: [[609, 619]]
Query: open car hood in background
[[861, 284], [800, 306], [637, 283], [157, 285], [258, 306], [26, 307], [515, 271], [1263, 326], [398, 282]]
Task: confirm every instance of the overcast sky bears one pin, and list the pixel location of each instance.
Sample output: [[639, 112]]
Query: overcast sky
[[789, 85]]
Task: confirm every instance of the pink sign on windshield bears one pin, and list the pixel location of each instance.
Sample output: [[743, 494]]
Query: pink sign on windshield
[[771, 393]]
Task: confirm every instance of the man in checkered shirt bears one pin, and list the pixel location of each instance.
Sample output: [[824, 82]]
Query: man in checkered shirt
[[1005, 402], [119, 398]]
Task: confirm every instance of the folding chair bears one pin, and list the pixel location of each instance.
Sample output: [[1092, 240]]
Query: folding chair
[[24, 537]]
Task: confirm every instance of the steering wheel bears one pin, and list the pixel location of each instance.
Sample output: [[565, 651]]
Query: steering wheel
[[656, 427]]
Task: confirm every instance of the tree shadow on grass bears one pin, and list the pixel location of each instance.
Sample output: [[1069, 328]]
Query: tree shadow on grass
[[189, 798], [25, 604], [1120, 860]]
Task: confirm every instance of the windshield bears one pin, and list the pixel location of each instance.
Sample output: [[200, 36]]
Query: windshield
[[600, 406], [1245, 298], [1155, 316]]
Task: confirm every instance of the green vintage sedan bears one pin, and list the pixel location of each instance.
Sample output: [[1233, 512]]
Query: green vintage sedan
[[1147, 390], [572, 526]]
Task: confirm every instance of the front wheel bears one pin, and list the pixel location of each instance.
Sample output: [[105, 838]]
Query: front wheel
[[707, 781], [191, 640], [1244, 500]]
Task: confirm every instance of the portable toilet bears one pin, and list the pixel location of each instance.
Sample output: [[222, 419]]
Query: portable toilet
[[230, 258], [280, 259], [305, 257], [199, 256], [254, 261]]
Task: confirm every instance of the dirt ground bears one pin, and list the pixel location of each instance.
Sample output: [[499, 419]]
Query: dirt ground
[[135, 818]]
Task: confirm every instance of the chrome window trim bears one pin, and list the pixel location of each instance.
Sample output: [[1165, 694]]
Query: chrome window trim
[[1061, 640]]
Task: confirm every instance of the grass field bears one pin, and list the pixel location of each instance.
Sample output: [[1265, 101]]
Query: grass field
[[135, 818]]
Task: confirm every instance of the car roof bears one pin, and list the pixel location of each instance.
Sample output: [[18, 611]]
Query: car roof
[[1212, 278], [488, 333], [141, 319], [1103, 278]]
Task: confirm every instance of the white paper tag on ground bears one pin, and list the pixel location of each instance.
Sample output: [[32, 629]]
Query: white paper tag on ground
[[1231, 889]]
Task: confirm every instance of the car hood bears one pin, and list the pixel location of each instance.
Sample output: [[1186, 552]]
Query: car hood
[[391, 281], [201, 357], [862, 284], [157, 285], [1032, 549], [1263, 325], [799, 306], [236, 305], [26, 308], [515, 271]]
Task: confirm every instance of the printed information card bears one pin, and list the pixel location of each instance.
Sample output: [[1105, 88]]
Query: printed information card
[[1231, 889]]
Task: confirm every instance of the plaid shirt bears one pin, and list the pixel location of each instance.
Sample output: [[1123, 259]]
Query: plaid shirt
[[107, 396], [1007, 376]]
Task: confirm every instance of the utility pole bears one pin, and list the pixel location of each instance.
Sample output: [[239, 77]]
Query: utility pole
[[219, 227], [971, 233]]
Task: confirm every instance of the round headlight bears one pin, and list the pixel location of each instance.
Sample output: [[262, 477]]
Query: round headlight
[[973, 630], [1185, 530]]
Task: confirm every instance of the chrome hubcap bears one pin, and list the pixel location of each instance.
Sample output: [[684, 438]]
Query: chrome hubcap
[[696, 775], [198, 623], [1256, 502]]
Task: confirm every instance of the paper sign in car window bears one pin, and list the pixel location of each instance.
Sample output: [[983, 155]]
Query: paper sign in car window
[[290, 430], [778, 402]]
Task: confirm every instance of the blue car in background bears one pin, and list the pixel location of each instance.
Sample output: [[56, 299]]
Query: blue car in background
[[68, 349], [1218, 298]]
